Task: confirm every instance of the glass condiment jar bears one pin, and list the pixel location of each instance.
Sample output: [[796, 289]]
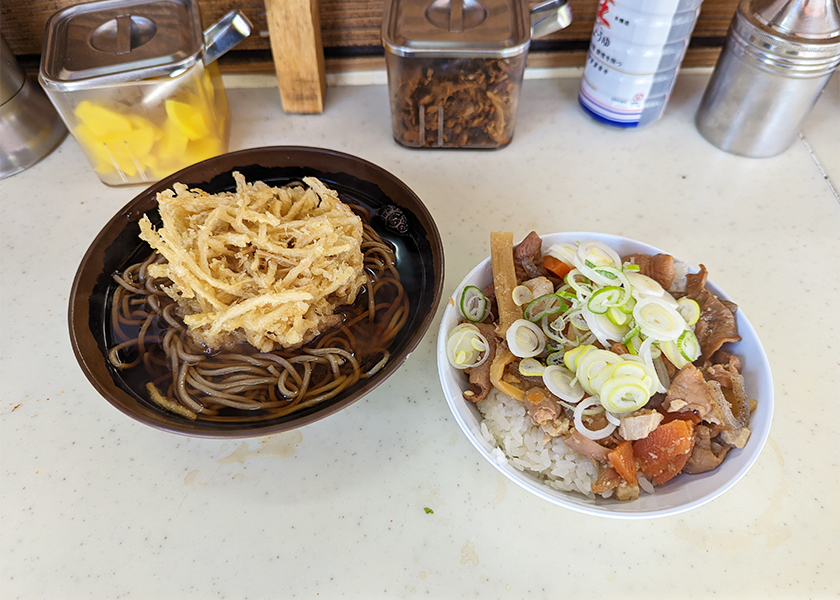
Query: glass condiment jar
[[137, 86], [455, 67]]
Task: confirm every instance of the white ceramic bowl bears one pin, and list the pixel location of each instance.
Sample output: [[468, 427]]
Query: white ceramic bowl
[[682, 493]]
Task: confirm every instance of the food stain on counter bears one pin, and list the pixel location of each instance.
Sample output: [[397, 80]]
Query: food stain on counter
[[779, 456], [501, 491], [431, 501], [283, 445], [468, 554], [192, 479]]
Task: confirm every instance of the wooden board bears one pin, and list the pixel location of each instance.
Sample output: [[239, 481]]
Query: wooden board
[[352, 29], [295, 33]]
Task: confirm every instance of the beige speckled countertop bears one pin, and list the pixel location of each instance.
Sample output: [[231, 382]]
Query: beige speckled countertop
[[95, 505]]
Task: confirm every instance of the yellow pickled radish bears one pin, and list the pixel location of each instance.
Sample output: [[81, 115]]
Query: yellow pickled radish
[[94, 148], [130, 148], [138, 122], [188, 118], [174, 142], [101, 121], [203, 149]]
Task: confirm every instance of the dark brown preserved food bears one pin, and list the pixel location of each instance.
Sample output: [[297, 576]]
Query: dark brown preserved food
[[452, 102]]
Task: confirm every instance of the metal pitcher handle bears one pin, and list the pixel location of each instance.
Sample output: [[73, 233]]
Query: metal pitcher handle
[[549, 17], [224, 34]]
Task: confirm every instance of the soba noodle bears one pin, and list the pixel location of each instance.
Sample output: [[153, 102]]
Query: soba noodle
[[243, 384]]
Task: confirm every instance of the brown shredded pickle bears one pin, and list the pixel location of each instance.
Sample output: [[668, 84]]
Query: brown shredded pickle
[[455, 103]]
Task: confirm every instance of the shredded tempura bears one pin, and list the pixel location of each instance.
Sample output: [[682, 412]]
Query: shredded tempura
[[266, 264]]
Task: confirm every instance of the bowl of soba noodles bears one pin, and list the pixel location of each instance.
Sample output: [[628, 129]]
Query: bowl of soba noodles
[[256, 292]]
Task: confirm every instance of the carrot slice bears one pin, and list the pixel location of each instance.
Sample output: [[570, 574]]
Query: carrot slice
[[624, 462], [664, 452], [556, 266]]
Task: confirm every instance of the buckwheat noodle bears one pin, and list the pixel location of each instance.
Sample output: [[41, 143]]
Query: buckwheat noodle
[[245, 385]]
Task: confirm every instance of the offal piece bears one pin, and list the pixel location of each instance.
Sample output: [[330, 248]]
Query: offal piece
[[480, 384], [546, 412], [528, 258], [707, 454], [659, 267], [688, 392], [716, 324]]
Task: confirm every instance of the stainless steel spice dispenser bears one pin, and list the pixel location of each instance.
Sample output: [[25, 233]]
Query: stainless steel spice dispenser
[[778, 57], [455, 67], [136, 85], [30, 128]]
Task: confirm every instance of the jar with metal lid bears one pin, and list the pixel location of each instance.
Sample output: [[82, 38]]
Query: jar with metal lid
[[455, 67], [136, 84]]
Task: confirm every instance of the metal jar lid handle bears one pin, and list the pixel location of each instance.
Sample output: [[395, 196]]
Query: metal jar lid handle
[[549, 17], [223, 35]]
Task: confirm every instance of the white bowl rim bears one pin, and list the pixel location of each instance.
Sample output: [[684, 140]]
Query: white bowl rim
[[732, 469]]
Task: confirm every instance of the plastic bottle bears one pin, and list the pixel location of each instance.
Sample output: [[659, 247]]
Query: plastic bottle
[[635, 53]]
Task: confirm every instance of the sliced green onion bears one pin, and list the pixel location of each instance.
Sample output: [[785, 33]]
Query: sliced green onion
[[658, 320], [628, 306], [525, 339], [531, 367], [591, 255], [604, 329], [473, 304], [591, 364], [631, 267], [633, 344], [601, 378], [683, 351], [689, 309], [631, 334], [554, 329], [576, 318], [545, 305], [562, 383], [522, 295], [624, 394], [688, 345], [580, 409], [564, 251], [644, 286], [645, 352], [466, 347], [617, 316], [555, 358], [582, 288], [573, 356], [601, 300]]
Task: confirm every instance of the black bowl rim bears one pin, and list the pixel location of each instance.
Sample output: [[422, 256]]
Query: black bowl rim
[[78, 313]]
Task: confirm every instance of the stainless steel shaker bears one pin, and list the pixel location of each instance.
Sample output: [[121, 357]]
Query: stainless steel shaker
[[778, 57], [30, 128]]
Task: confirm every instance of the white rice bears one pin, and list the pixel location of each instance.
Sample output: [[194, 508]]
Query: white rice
[[518, 441]]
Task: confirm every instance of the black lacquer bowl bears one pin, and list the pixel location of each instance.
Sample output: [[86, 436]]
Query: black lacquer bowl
[[398, 217]]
